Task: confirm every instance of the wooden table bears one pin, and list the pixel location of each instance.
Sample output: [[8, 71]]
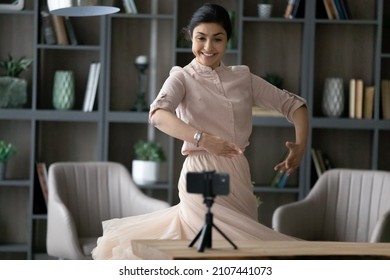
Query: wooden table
[[221, 249]]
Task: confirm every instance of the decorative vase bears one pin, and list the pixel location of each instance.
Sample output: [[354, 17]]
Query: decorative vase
[[63, 90], [264, 10], [141, 63], [13, 92], [333, 97]]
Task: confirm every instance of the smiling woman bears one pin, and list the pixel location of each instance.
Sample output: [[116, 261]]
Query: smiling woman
[[208, 106], [209, 41], [209, 36]]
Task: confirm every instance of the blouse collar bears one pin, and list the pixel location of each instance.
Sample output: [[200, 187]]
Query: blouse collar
[[200, 68]]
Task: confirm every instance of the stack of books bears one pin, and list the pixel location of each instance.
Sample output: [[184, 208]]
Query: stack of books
[[57, 29], [337, 9], [361, 100], [321, 161]]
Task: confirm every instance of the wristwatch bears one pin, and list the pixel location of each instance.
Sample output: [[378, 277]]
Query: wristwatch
[[197, 137]]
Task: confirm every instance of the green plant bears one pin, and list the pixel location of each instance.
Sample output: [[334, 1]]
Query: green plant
[[274, 79], [7, 150], [146, 150], [14, 67]]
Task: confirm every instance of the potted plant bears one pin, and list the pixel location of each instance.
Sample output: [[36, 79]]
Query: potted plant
[[147, 163], [7, 150], [13, 89]]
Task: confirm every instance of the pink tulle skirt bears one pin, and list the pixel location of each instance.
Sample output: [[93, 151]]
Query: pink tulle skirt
[[235, 214]]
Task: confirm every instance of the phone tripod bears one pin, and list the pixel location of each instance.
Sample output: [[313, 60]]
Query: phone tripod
[[206, 232]]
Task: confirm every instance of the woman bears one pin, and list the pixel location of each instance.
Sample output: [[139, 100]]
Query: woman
[[209, 106]]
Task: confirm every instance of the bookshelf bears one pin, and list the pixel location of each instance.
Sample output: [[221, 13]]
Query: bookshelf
[[304, 51], [333, 56]]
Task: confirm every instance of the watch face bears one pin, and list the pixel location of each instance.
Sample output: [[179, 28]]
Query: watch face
[[197, 136]]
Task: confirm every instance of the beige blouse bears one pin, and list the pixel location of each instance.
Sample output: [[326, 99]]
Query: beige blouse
[[220, 101]]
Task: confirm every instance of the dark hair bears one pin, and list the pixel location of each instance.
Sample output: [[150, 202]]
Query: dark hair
[[210, 13]]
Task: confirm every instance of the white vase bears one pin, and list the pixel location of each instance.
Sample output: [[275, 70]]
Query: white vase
[[264, 10], [145, 172], [333, 97]]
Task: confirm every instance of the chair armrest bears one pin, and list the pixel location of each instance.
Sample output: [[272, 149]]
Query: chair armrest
[[299, 219], [381, 232], [62, 240]]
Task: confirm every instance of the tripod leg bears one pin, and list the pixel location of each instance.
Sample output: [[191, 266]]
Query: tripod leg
[[220, 231], [205, 238], [196, 237], [204, 234]]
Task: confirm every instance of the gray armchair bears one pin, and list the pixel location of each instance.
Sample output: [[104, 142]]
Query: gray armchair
[[81, 196], [344, 205]]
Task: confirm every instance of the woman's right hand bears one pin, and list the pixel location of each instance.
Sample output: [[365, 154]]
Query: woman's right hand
[[169, 123], [218, 146]]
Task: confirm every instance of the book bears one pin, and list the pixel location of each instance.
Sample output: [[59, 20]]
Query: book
[[92, 85], [345, 8], [289, 9], [352, 93], [126, 6], [59, 27], [133, 7], [368, 102], [95, 82], [42, 177], [299, 9], [316, 162], [88, 89], [48, 31], [70, 31], [321, 160], [280, 178], [283, 181], [329, 9], [385, 99], [40, 200], [328, 164], [130, 6], [278, 175], [336, 9], [359, 99], [276, 179], [341, 10]]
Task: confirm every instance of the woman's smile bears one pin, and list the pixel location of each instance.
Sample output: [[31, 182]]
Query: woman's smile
[[209, 42]]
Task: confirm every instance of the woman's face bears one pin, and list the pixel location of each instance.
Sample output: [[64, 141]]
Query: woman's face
[[209, 42]]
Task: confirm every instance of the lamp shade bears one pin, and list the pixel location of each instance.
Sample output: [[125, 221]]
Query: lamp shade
[[81, 8]]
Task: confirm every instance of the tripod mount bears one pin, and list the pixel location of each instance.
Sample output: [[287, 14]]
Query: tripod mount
[[205, 234]]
